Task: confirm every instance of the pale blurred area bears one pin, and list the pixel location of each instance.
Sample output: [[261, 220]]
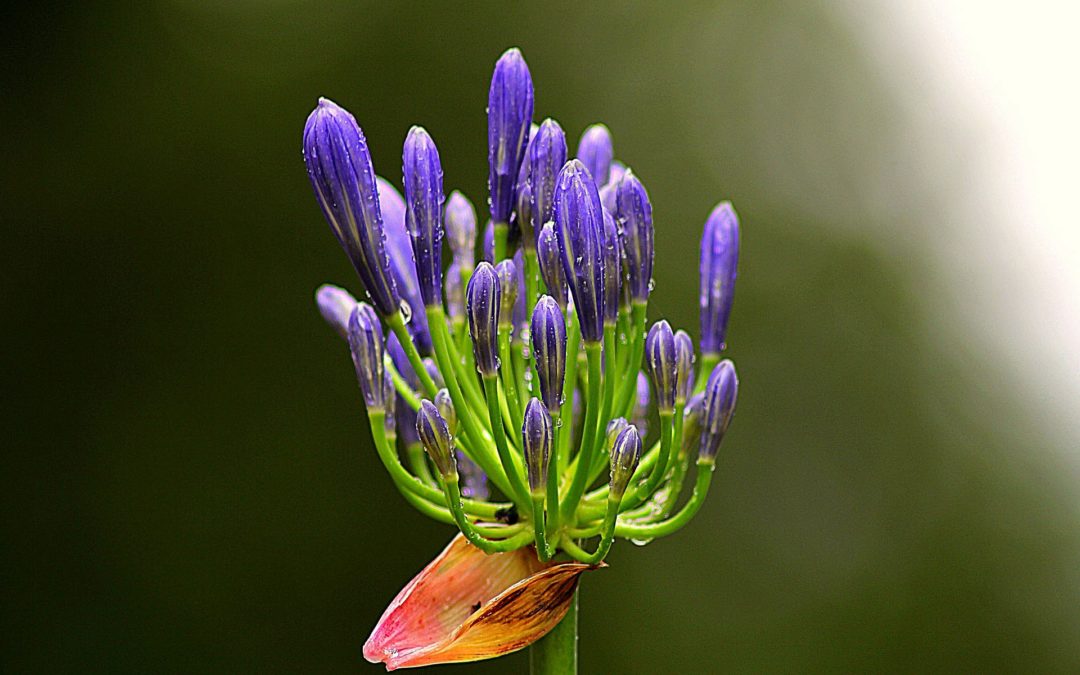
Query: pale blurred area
[[191, 482]]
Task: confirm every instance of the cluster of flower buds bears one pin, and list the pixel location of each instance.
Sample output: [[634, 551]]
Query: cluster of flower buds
[[510, 397]]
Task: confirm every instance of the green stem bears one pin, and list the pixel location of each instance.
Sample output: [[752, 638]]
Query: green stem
[[588, 433], [637, 348], [708, 362], [397, 325], [573, 343], [676, 522], [502, 230], [519, 493], [556, 652]]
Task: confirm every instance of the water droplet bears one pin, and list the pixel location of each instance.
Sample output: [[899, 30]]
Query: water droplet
[[652, 284], [640, 542], [406, 312], [558, 423]]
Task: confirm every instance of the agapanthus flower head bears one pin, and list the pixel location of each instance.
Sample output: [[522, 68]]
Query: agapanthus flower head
[[547, 155], [596, 152], [483, 301], [633, 213], [400, 249], [719, 260], [579, 223], [510, 109], [339, 166], [336, 306], [435, 437], [612, 269], [536, 437], [551, 269], [720, 394], [662, 364], [423, 216], [684, 357], [548, 331], [624, 458], [460, 221], [508, 290], [366, 345]]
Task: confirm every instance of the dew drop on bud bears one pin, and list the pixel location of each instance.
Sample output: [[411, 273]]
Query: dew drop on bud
[[406, 311]]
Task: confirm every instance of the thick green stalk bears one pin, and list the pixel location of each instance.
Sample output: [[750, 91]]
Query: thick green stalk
[[556, 652], [502, 230]]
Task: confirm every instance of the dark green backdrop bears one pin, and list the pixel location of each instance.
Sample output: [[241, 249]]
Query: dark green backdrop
[[188, 484]]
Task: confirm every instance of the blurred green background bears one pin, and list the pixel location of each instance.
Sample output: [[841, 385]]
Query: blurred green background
[[188, 482]]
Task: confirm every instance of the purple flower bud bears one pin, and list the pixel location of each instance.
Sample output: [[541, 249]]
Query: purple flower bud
[[508, 286], [339, 166], [489, 242], [595, 152], [634, 216], [366, 345], [618, 170], [614, 428], [609, 191], [624, 459], [547, 155], [401, 361], [661, 362], [433, 373], [435, 437], [473, 479], [424, 199], [482, 305], [536, 435], [684, 357], [510, 110], [693, 417], [523, 218], [551, 270], [549, 350], [335, 305], [405, 422], [454, 291], [612, 269], [719, 259], [446, 409], [520, 314], [720, 394], [640, 417], [578, 229], [390, 405], [402, 267], [461, 229]]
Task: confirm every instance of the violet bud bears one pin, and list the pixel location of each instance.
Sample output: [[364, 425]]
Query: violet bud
[[578, 229], [547, 155], [551, 270], [610, 189], [402, 267], [684, 357], [482, 305], [435, 437], [335, 305], [366, 345], [523, 218], [548, 330], [693, 418], [461, 229], [473, 479], [405, 422], [640, 416], [390, 405], [595, 152], [536, 434], [433, 372], [510, 110], [614, 428], [634, 217], [401, 361], [423, 217], [662, 365], [454, 291], [446, 409], [508, 286], [719, 260], [339, 166], [720, 394], [624, 459], [612, 269]]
